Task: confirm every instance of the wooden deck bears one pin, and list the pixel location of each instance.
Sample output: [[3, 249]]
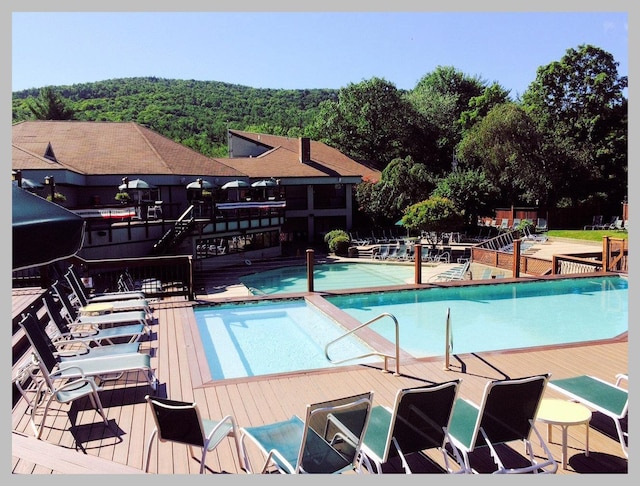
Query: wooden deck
[[255, 401]]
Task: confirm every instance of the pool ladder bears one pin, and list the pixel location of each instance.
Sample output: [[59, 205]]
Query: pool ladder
[[375, 353]]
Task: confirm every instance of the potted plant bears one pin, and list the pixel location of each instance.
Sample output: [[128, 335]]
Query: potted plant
[[123, 197], [57, 197]]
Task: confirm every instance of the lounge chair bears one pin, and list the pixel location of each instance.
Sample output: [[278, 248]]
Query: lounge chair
[[382, 253], [506, 414], [78, 299], [609, 399], [104, 367], [181, 422], [90, 334], [74, 318], [596, 223], [417, 422], [48, 385], [457, 272], [67, 350], [76, 284], [542, 226], [327, 441]]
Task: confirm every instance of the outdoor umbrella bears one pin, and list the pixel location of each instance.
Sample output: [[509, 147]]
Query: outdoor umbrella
[[198, 184], [138, 184], [43, 232], [28, 184], [264, 184], [237, 184]]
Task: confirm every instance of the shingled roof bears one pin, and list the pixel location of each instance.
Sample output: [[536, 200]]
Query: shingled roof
[[282, 159], [107, 148]]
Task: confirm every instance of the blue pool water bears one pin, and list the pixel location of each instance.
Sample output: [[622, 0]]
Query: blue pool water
[[498, 316], [265, 337], [327, 277], [279, 336]]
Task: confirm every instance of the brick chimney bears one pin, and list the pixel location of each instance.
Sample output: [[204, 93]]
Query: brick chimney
[[305, 150]]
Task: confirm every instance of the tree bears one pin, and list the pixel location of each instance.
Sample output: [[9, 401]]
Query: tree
[[507, 146], [50, 106], [402, 183], [470, 190], [440, 97], [436, 214], [370, 121], [580, 106]]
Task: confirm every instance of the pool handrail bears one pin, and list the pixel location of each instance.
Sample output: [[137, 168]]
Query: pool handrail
[[375, 353]]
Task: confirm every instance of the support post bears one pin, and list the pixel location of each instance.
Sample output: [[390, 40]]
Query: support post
[[447, 335], [516, 258], [417, 263], [310, 270]]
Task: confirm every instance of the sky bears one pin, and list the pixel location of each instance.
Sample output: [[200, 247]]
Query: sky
[[303, 50]]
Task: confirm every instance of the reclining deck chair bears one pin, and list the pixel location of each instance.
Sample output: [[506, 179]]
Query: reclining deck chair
[[74, 317], [609, 399], [327, 441], [76, 284], [104, 367], [177, 421], [79, 299], [90, 334], [458, 272], [418, 422], [67, 350], [506, 414]]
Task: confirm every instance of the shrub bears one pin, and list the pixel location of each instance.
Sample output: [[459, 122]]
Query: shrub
[[340, 245], [338, 241]]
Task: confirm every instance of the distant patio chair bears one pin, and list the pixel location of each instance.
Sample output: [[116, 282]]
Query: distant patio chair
[[542, 226], [596, 223]]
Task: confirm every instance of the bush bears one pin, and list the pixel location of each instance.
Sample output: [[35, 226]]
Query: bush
[[338, 241], [340, 245]]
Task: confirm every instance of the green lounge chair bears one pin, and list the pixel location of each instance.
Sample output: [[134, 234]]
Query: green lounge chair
[[79, 299], [327, 441], [418, 422], [104, 367], [74, 317], [506, 414], [76, 284], [609, 399], [178, 421], [90, 334]]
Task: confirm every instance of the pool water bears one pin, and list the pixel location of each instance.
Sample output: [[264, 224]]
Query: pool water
[[327, 277], [267, 337], [288, 335], [497, 316]]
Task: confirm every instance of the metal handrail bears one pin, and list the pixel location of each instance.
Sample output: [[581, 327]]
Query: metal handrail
[[375, 353]]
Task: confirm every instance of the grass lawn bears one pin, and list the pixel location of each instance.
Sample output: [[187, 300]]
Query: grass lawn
[[590, 235]]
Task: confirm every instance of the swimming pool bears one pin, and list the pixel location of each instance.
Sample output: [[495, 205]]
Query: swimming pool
[[269, 337], [331, 276], [498, 316], [262, 337]]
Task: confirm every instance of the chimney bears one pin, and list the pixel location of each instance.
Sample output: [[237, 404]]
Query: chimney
[[305, 150]]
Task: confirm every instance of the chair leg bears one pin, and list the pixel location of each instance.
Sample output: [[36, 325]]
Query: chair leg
[[149, 444]]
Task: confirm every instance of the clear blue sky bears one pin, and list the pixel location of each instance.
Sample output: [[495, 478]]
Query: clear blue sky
[[296, 50]]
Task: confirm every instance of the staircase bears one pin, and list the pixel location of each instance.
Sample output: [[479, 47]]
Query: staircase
[[176, 235]]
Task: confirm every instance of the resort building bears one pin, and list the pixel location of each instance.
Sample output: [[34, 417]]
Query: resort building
[[144, 194]]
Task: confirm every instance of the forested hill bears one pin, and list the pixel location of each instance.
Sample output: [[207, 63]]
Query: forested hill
[[194, 113]]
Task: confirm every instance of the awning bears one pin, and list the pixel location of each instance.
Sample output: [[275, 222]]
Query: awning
[[43, 232]]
